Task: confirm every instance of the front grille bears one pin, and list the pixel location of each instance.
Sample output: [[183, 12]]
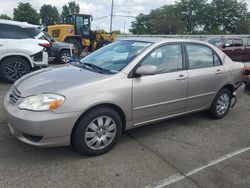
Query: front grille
[[14, 95]]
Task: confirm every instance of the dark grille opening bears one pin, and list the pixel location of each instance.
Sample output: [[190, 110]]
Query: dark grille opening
[[14, 95], [38, 56], [32, 137]]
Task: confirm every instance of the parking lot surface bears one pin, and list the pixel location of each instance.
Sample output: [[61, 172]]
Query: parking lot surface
[[191, 151]]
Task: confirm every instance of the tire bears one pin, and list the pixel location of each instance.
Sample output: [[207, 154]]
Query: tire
[[88, 134], [13, 68], [77, 45], [64, 56], [221, 104]]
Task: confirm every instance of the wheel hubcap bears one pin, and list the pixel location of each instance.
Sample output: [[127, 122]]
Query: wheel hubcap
[[15, 70], [65, 57], [100, 133], [223, 104]]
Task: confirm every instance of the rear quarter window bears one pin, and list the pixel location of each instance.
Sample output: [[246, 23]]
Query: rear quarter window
[[12, 32], [238, 42]]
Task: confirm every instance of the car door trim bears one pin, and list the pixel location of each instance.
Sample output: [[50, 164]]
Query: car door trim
[[170, 116], [159, 104], [201, 95]]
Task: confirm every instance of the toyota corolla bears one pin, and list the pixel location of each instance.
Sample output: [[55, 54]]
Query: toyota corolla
[[129, 83]]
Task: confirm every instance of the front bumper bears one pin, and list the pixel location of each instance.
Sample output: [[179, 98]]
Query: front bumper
[[50, 128], [44, 61]]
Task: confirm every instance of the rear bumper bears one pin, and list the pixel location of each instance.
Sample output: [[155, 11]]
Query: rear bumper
[[240, 90], [246, 78]]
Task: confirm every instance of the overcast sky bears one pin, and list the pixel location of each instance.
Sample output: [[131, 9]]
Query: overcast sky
[[98, 8]]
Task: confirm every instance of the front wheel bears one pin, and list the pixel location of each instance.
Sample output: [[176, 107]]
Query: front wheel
[[97, 132], [221, 104], [13, 68]]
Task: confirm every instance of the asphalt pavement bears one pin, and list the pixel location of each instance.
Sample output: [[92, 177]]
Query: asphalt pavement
[[191, 151]]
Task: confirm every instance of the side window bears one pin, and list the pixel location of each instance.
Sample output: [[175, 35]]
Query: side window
[[167, 58], [199, 56], [12, 32], [238, 42], [229, 43]]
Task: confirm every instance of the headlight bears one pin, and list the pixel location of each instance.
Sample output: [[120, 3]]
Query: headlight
[[42, 102]]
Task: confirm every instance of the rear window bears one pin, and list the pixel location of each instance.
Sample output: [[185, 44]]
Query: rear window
[[32, 32], [16, 32], [238, 42]]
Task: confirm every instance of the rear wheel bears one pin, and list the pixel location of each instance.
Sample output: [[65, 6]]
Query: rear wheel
[[64, 56], [221, 104], [13, 68], [97, 132], [77, 45]]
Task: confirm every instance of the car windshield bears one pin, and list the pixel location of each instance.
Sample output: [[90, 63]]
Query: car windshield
[[114, 57]]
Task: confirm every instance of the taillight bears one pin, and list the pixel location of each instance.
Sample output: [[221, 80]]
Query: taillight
[[45, 45]]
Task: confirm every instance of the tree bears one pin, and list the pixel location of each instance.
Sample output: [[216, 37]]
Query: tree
[[49, 15], [141, 25], [163, 20], [226, 16], [25, 13], [71, 8], [5, 17], [191, 11]]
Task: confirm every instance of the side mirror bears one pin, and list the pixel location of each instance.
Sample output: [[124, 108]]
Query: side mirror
[[145, 70]]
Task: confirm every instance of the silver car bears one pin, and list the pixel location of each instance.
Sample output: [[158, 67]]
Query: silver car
[[129, 83]]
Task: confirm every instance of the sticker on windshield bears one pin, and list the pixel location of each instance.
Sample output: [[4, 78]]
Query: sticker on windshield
[[141, 44]]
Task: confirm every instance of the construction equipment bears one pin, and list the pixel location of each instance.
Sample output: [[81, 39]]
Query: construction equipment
[[76, 29]]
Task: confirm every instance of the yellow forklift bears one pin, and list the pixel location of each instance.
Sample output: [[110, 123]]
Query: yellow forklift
[[76, 29]]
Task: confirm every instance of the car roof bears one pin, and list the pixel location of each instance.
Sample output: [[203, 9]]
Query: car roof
[[16, 23]]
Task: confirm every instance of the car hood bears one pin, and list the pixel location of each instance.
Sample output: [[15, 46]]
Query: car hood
[[56, 79]]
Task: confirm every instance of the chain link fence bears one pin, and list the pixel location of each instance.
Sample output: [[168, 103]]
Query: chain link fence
[[245, 38]]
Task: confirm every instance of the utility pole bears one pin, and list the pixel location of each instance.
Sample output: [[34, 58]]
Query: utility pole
[[124, 28], [111, 16]]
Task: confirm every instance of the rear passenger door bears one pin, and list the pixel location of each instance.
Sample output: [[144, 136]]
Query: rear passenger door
[[205, 72]]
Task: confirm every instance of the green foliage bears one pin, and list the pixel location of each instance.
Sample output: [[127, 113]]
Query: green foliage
[[25, 13], [191, 12], [49, 15], [163, 20], [117, 32], [195, 17], [71, 8], [5, 17], [227, 15]]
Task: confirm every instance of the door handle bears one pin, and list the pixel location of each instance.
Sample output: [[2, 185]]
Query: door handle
[[218, 71], [182, 77]]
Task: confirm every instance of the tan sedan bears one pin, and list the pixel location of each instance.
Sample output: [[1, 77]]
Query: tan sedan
[[126, 84]]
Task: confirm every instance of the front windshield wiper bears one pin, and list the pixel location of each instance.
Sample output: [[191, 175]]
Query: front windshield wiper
[[97, 68]]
